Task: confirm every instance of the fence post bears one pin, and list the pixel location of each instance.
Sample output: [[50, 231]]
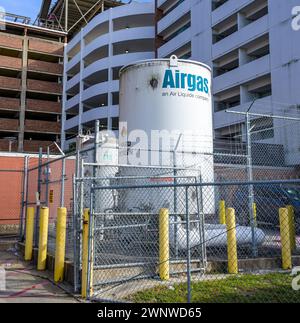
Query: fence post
[[291, 212], [164, 265], [60, 246], [62, 189], [250, 179], [188, 248], [85, 245], [29, 233], [231, 242], [285, 238], [39, 182], [47, 177], [43, 238], [222, 212], [23, 197]]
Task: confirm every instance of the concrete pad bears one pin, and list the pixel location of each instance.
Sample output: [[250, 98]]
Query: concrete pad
[[24, 284]]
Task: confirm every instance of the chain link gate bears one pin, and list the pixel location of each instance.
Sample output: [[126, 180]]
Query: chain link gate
[[126, 236], [125, 241]]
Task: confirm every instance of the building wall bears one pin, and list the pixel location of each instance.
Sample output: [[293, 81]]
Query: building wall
[[254, 53], [112, 39], [10, 191], [31, 71], [11, 187]]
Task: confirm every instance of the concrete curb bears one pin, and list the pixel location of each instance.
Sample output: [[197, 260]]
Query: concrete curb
[[69, 268]]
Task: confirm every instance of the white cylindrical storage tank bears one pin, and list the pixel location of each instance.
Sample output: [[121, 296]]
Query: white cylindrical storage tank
[[166, 117]]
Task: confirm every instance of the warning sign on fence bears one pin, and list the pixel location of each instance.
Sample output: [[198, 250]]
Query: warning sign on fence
[[51, 196]]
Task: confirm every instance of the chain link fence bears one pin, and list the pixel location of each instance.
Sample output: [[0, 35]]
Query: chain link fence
[[252, 174], [50, 183], [177, 249]]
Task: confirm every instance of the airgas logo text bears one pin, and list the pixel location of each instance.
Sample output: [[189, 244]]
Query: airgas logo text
[[177, 80]]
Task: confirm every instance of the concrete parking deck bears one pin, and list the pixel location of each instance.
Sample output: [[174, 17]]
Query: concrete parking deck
[[24, 284]]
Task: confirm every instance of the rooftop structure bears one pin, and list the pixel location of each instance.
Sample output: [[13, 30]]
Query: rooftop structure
[[31, 71]]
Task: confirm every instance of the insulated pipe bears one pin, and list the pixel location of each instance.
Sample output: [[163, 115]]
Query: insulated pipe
[[215, 235]]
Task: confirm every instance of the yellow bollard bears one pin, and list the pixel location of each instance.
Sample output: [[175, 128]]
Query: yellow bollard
[[164, 263], [29, 233], [92, 260], [222, 212], [85, 246], [231, 242], [60, 247], [43, 238], [254, 214], [292, 226], [285, 238]]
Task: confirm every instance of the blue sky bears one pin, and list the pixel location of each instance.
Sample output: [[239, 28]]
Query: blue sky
[[29, 8]]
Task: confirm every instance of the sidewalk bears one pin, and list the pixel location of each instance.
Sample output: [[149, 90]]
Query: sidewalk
[[24, 284]]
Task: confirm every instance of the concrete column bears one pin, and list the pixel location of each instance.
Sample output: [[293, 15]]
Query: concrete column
[[243, 57], [246, 97], [81, 84], [64, 100], [23, 93], [242, 20], [110, 76]]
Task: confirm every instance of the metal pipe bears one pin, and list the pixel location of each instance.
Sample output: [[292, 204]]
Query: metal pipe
[[229, 183], [263, 115], [47, 177], [200, 222], [53, 161], [141, 166], [59, 149], [66, 16], [23, 202], [130, 177], [75, 239], [37, 217], [250, 179], [129, 265], [189, 287], [175, 192], [63, 174], [96, 146], [90, 271], [121, 227], [86, 13]]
